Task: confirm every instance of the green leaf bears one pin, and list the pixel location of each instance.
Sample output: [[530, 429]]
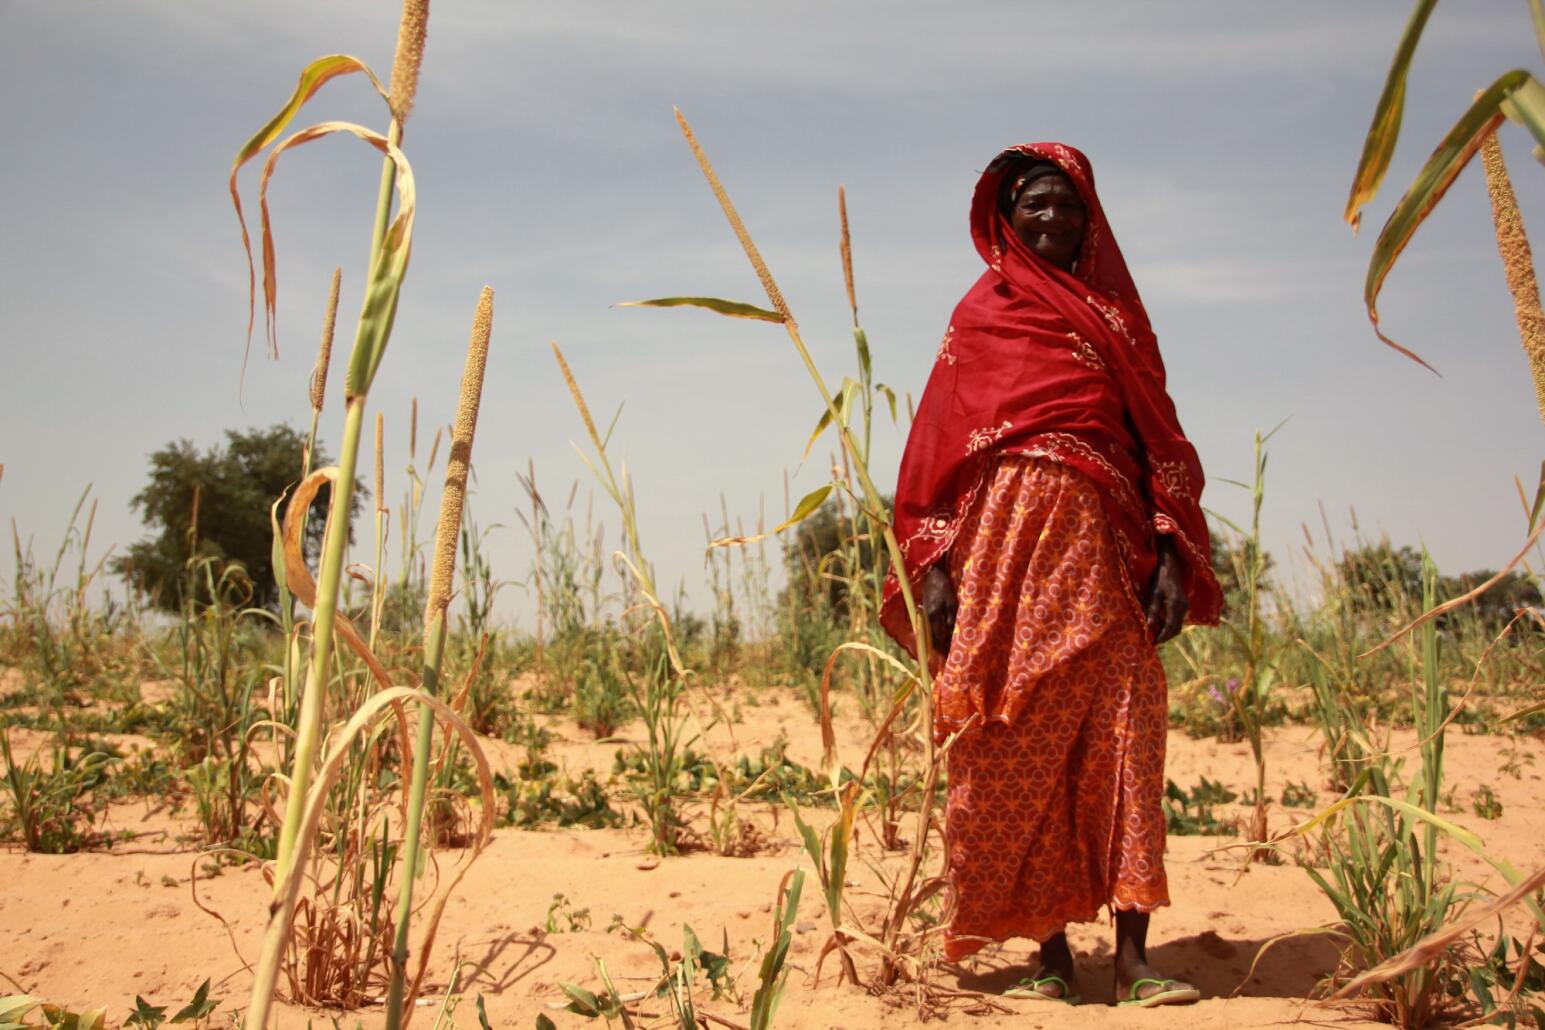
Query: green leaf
[[716, 966], [842, 402], [542, 1023], [1539, 499], [764, 1003], [691, 947], [389, 264], [312, 78], [60, 1018], [198, 1008], [1379, 146], [732, 308], [808, 505], [890, 397], [1526, 107], [146, 1015], [850, 391], [482, 1017], [821, 423], [791, 902], [809, 836], [1445, 164], [614, 1005], [581, 1001], [14, 1006], [841, 842], [861, 341], [1524, 713]]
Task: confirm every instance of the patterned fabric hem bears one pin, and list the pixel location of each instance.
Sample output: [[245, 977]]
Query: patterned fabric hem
[[1117, 905]]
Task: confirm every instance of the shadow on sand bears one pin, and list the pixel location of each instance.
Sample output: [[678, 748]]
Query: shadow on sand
[[1218, 966]]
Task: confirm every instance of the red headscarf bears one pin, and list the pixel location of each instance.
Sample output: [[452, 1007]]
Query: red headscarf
[[1057, 364]]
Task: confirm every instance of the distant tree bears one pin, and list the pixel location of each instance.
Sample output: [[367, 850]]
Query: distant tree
[[236, 485], [1496, 607], [1381, 577], [813, 557], [1228, 565]]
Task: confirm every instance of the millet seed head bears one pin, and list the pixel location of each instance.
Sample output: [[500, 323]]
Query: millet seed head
[[410, 56], [325, 348], [451, 500], [1517, 263], [380, 483]]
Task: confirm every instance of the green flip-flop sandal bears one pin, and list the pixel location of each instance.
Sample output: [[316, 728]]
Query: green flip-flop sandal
[[1029, 988], [1170, 992]]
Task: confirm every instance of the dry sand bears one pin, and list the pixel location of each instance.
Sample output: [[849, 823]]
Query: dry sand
[[101, 927]]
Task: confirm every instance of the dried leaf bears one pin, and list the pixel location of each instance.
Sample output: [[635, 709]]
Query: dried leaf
[[732, 308], [1445, 164], [391, 264], [808, 505], [315, 75]]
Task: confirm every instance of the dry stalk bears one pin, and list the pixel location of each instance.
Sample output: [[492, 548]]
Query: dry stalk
[[774, 295], [1517, 263], [399, 1004], [383, 513], [893, 966]]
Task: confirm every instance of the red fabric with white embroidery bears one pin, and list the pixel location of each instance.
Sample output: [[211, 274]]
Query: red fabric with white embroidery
[[1053, 364]]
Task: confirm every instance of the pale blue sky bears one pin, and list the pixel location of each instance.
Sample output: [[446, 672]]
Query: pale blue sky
[[1223, 135]]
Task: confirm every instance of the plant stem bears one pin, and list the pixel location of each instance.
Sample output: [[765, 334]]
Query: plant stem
[[313, 698], [434, 651], [451, 501]]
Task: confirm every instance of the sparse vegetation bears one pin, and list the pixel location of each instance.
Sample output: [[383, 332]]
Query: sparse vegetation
[[346, 742]]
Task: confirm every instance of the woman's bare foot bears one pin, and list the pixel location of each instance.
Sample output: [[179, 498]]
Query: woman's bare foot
[[1137, 982], [1056, 965]]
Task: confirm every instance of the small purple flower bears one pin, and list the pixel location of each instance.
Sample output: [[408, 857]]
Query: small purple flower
[[1217, 697], [1233, 686]]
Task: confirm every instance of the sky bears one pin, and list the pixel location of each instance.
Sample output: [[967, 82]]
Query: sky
[[1223, 137]]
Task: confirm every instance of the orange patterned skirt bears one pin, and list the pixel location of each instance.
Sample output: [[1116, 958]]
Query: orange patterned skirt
[[1056, 787]]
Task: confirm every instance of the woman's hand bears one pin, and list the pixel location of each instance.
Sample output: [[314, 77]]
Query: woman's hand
[[1166, 604], [938, 604]]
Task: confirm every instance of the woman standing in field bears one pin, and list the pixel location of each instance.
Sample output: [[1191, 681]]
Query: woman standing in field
[[1048, 512]]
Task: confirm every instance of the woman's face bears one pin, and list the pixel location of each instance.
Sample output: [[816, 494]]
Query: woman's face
[[1049, 217]]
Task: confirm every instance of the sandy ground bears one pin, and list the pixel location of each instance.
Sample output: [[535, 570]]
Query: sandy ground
[[101, 927]]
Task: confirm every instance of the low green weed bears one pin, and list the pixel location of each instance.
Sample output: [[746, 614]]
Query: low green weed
[[555, 799], [1382, 871], [1298, 795], [1191, 813], [772, 976], [563, 917], [198, 1012], [601, 702], [682, 976], [52, 808], [1484, 803]]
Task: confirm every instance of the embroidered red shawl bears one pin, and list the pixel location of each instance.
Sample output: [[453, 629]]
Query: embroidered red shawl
[[1043, 362]]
